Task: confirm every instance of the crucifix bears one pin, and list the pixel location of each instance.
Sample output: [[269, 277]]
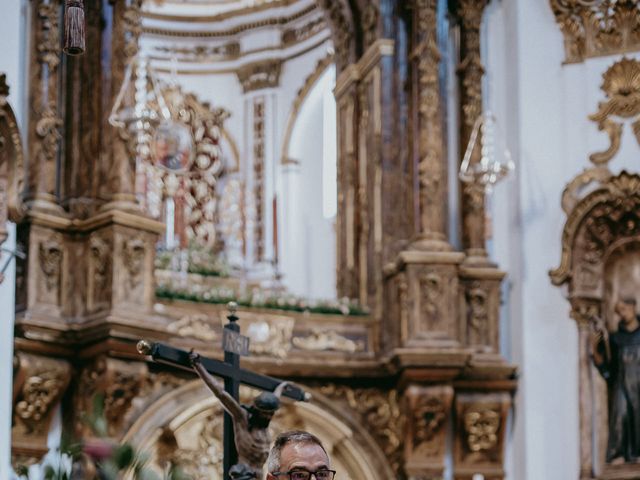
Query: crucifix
[[246, 439]]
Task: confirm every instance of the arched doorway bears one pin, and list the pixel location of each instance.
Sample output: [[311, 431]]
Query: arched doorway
[[186, 424]]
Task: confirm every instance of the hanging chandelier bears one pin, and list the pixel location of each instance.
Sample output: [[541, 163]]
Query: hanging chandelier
[[495, 163]]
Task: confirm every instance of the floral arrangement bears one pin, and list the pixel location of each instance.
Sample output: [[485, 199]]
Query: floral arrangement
[[261, 299]]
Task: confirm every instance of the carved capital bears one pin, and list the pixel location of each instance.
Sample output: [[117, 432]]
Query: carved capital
[[429, 413], [480, 434], [39, 383]]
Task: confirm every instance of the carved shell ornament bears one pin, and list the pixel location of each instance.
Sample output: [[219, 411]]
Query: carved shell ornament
[[621, 84]]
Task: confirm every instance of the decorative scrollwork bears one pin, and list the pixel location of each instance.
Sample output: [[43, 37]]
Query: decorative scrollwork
[[621, 85], [595, 28], [379, 410]]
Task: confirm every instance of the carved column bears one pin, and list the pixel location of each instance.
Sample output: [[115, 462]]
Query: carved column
[[481, 424], [85, 108], [430, 156], [119, 162], [429, 417], [426, 273], [348, 206], [592, 427], [45, 121], [470, 72]]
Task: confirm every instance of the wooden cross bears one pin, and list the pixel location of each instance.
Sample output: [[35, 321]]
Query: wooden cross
[[234, 345]]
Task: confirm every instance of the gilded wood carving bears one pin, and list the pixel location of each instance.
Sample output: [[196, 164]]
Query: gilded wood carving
[[595, 28]]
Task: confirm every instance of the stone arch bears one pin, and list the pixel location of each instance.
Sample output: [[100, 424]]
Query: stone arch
[[11, 163], [301, 96], [191, 418]]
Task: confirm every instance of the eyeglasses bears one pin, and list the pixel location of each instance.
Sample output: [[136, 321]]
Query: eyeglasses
[[306, 474]]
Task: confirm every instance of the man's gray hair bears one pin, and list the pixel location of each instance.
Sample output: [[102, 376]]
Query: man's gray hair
[[294, 436]]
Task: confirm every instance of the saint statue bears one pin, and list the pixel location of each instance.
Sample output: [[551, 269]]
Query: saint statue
[[250, 423], [617, 357]]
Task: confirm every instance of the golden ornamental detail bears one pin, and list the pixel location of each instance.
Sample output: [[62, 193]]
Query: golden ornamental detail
[[593, 28], [379, 410], [481, 427], [621, 85]]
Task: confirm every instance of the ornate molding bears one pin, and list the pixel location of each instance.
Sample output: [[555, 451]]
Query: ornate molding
[[595, 28], [298, 34], [12, 166], [605, 216], [259, 75], [199, 53], [259, 118], [38, 385], [231, 32], [195, 326], [621, 85], [49, 34], [340, 19], [380, 411], [321, 339]]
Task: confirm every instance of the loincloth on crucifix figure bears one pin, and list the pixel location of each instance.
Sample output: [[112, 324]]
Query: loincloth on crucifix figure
[[250, 423]]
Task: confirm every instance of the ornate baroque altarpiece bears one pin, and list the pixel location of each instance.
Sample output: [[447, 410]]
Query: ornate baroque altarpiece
[[411, 380]]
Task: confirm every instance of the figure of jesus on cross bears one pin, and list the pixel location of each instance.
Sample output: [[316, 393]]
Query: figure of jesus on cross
[[246, 436], [250, 424]]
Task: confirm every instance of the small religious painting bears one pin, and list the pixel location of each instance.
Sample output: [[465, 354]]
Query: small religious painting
[[173, 147]]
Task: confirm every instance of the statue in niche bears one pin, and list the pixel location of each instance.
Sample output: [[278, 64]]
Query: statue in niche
[[250, 423], [617, 358]]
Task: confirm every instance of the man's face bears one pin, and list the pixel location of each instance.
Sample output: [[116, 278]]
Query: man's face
[[626, 311], [307, 456]]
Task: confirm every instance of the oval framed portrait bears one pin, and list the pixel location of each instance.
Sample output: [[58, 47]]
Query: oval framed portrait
[[172, 147]]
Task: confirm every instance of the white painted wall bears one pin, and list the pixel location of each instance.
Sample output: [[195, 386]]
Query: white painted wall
[[308, 271], [11, 62], [543, 107], [309, 248]]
